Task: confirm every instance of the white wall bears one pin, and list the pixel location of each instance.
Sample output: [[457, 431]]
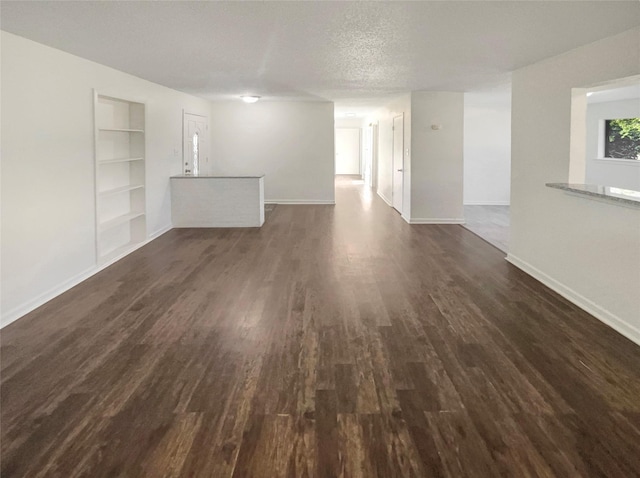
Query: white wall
[[343, 122], [487, 146], [347, 150], [436, 157], [48, 216], [587, 250], [621, 173], [292, 143], [348, 123]]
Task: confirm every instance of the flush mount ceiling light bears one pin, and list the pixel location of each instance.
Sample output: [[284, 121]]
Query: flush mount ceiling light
[[350, 114], [249, 98], [590, 93]]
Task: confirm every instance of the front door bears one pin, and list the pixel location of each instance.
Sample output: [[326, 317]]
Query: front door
[[398, 162], [194, 140]]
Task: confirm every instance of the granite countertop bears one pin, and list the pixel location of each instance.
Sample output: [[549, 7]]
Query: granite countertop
[[219, 176], [609, 193]]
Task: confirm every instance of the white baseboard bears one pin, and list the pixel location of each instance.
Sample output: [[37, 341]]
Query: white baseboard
[[159, 233], [487, 203], [438, 220], [299, 201], [600, 313], [23, 309], [384, 198]]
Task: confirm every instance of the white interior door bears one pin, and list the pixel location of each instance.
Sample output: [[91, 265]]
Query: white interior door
[[347, 150], [398, 162], [195, 141]]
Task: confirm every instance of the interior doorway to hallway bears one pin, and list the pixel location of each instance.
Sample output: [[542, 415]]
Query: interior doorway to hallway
[[370, 154], [487, 164], [347, 144]]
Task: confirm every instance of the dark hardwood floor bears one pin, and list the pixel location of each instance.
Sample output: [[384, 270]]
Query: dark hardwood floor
[[333, 341]]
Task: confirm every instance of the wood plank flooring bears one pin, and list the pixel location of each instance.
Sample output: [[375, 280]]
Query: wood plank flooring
[[332, 342]]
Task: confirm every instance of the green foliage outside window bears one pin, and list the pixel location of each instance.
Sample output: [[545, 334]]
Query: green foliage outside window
[[623, 138]]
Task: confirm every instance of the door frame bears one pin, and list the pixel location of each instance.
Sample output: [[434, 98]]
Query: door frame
[[369, 146], [374, 156], [393, 159]]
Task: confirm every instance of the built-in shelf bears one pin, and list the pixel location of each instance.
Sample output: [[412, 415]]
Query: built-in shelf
[[116, 221], [122, 189], [118, 251], [120, 210], [119, 160], [122, 130]]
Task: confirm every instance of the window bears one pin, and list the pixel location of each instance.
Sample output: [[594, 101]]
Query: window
[[196, 156], [622, 138]]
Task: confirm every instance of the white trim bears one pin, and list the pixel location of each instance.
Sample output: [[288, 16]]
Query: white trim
[[487, 203], [618, 161], [159, 233], [393, 160], [435, 220], [185, 112], [299, 201], [600, 313], [29, 306], [384, 198]]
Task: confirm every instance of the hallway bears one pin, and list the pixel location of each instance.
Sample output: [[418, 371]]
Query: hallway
[[333, 341]]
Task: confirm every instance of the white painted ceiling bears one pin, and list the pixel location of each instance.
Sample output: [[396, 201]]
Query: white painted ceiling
[[318, 50]]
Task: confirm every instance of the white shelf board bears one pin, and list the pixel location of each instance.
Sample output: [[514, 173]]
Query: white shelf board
[[122, 130], [119, 160], [116, 221], [122, 189]]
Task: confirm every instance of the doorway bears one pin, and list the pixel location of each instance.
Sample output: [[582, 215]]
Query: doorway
[[487, 164], [195, 141], [348, 151], [370, 160], [398, 163]]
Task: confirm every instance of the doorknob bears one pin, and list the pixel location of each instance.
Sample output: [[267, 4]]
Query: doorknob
[[400, 170]]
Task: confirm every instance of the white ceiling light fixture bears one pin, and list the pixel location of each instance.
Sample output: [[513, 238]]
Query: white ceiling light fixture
[[250, 98], [350, 114]]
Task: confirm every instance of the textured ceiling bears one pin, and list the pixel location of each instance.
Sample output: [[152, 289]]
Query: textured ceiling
[[317, 50]]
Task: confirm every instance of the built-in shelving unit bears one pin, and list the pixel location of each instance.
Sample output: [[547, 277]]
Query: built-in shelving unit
[[120, 176]]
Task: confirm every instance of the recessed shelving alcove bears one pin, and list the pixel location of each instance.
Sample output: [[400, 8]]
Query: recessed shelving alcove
[[120, 176]]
